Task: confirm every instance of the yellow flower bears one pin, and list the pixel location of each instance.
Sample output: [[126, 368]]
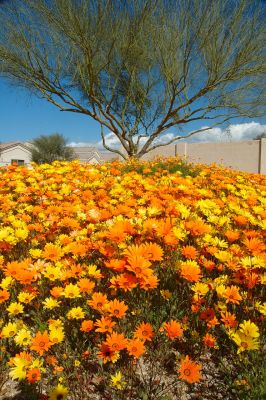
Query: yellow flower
[[261, 307], [23, 337], [166, 294], [26, 297], [200, 288], [9, 330], [19, 370], [50, 303], [93, 271], [71, 291], [15, 308], [21, 233], [77, 363], [248, 328], [52, 272], [244, 342], [35, 253], [76, 313], [59, 392], [117, 382], [220, 289], [55, 324], [56, 335], [7, 282]]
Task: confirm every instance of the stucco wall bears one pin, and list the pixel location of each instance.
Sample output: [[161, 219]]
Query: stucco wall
[[15, 153], [249, 155], [243, 156]]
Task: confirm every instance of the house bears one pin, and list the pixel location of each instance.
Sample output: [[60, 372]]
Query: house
[[92, 155], [88, 154], [19, 153], [14, 153]]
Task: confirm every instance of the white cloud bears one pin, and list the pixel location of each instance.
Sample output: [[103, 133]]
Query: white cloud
[[234, 132]]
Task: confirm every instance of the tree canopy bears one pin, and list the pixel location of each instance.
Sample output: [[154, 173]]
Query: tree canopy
[[49, 148], [139, 67]]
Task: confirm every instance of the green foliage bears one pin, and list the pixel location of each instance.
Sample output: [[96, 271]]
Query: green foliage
[[46, 149]]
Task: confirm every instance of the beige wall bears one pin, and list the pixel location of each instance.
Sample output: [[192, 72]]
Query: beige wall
[[15, 153], [249, 155]]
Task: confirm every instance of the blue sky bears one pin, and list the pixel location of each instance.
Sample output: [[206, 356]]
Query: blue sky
[[23, 117]]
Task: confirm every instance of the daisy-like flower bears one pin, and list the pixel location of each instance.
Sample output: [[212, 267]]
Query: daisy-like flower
[[15, 308], [104, 324], [107, 354], [41, 342], [190, 270], [189, 371], [232, 295], [71, 291], [50, 303], [23, 337], [87, 326], [116, 381], [117, 308], [144, 332], [9, 330], [250, 329], [58, 393], [173, 329], [76, 313], [135, 347]]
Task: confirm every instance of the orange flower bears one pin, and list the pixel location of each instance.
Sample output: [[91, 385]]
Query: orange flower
[[126, 281], [85, 285], [197, 228], [189, 371], [209, 340], [232, 236], [229, 319], [4, 295], [189, 252], [98, 300], [87, 325], [139, 265], [254, 245], [116, 264], [149, 282], [41, 342], [104, 324], [208, 314], [190, 270], [135, 347], [152, 251], [144, 332], [116, 341], [57, 291], [34, 375], [117, 308], [240, 220], [232, 295], [52, 252], [173, 329], [107, 354]]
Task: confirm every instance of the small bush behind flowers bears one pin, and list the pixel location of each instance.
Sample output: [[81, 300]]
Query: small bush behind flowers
[[122, 284]]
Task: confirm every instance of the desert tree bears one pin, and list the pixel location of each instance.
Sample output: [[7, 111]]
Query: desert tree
[[49, 148], [139, 67]]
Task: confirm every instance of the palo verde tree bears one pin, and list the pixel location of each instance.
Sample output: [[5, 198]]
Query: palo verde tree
[[139, 67], [49, 148]]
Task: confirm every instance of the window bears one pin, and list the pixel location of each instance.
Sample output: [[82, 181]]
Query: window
[[18, 162]]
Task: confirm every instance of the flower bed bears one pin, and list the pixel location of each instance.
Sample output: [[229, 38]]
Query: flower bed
[[132, 281]]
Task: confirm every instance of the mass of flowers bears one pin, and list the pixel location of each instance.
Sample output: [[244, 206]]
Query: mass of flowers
[[122, 280]]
